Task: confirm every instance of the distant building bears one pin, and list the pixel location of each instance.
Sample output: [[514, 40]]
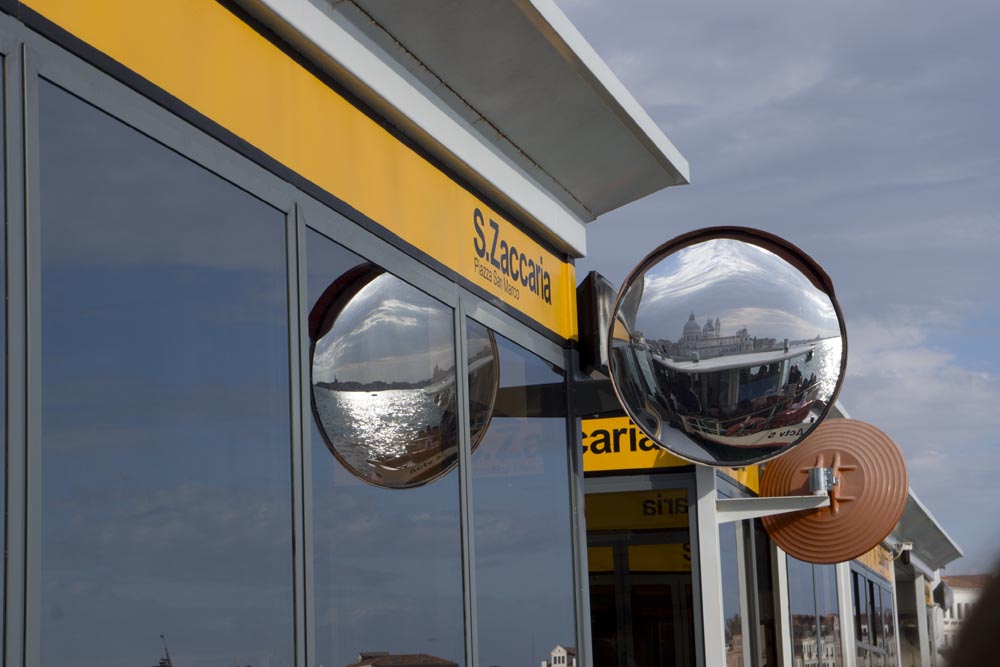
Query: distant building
[[561, 656], [707, 341], [383, 659], [966, 589]]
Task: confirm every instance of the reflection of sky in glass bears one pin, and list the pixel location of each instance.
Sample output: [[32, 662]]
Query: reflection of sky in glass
[[165, 405], [738, 283], [520, 485], [389, 331], [388, 568]]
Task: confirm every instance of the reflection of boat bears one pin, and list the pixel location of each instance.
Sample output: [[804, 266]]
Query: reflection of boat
[[755, 399]]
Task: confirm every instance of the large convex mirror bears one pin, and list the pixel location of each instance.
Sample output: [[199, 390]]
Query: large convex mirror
[[383, 379], [727, 346]]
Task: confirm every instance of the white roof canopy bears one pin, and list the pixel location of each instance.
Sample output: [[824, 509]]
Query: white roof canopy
[[506, 92]]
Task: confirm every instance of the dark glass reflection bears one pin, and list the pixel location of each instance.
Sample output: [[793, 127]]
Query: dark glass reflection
[[383, 378], [815, 610], [828, 612], [767, 625], [724, 352], [802, 606], [520, 484], [166, 490], [732, 584], [889, 626], [862, 621], [3, 329], [641, 594], [387, 562]]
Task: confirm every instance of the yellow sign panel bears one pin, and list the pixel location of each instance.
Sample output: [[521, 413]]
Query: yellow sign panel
[[616, 443], [659, 558], [748, 477], [601, 559], [879, 560], [206, 57], [637, 510]]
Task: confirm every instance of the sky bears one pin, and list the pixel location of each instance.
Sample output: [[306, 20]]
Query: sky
[[865, 133]]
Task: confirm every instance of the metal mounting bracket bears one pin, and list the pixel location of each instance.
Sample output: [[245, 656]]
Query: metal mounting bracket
[[738, 509]]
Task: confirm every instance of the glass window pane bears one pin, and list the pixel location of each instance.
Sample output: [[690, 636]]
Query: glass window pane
[[521, 498], [765, 596], [862, 622], [828, 609], [802, 605], [166, 490], [732, 584], [387, 561], [3, 328], [889, 626], [875, 612]]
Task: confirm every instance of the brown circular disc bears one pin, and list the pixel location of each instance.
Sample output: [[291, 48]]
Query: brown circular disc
[[865, 505]]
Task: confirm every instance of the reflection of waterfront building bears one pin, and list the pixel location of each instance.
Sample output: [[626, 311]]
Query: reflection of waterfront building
[[734, 650], [966, 590], [384, 659], [708, 341], [561, 656], [813, 651]]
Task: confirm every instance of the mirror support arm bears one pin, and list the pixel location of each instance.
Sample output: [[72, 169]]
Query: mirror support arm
[[738, 509]]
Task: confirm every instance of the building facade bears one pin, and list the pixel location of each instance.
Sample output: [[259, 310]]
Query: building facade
[[966, 590], [292, 358]]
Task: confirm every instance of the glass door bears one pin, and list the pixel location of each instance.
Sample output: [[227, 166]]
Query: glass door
[[641, 589]]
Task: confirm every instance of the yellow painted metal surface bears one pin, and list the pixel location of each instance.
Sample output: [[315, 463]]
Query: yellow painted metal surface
[[637, 510], [207, 58], [879, 560], [616, 443], [659, 558], [748, 476], [601, 559]]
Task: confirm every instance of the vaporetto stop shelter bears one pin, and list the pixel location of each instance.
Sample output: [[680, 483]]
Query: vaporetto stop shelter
[[293, 360]]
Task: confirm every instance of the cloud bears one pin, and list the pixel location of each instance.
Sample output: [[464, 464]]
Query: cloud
[[942, 414]]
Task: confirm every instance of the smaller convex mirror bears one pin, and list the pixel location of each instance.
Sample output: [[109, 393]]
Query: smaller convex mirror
[[383, 379], [727, 346]]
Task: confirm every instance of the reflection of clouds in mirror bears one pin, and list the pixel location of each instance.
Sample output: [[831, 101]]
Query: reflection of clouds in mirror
[[793, 325], [717, 278], [384, 334], [413, 366]]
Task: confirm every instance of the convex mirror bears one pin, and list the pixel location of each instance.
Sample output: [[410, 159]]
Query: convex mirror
[[383, 378], [727, 346]]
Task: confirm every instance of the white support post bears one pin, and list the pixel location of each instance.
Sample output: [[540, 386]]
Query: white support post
[[845, 601], [921, 606], [710, 567], [779, 567], [744, 574]]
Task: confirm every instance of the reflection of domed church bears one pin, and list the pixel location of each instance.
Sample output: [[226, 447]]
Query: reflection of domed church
[[709, 342]]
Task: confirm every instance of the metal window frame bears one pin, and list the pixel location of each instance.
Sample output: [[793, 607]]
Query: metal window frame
[[16, 322], [871, 578], [28, 57]]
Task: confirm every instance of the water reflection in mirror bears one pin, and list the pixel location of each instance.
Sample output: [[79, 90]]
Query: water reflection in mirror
[[725, 352], [383, 378]]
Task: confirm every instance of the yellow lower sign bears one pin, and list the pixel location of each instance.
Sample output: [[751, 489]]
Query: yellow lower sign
[[643, 558], [637, 510]]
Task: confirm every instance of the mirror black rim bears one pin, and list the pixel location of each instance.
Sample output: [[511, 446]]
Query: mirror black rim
[[770, 242]]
